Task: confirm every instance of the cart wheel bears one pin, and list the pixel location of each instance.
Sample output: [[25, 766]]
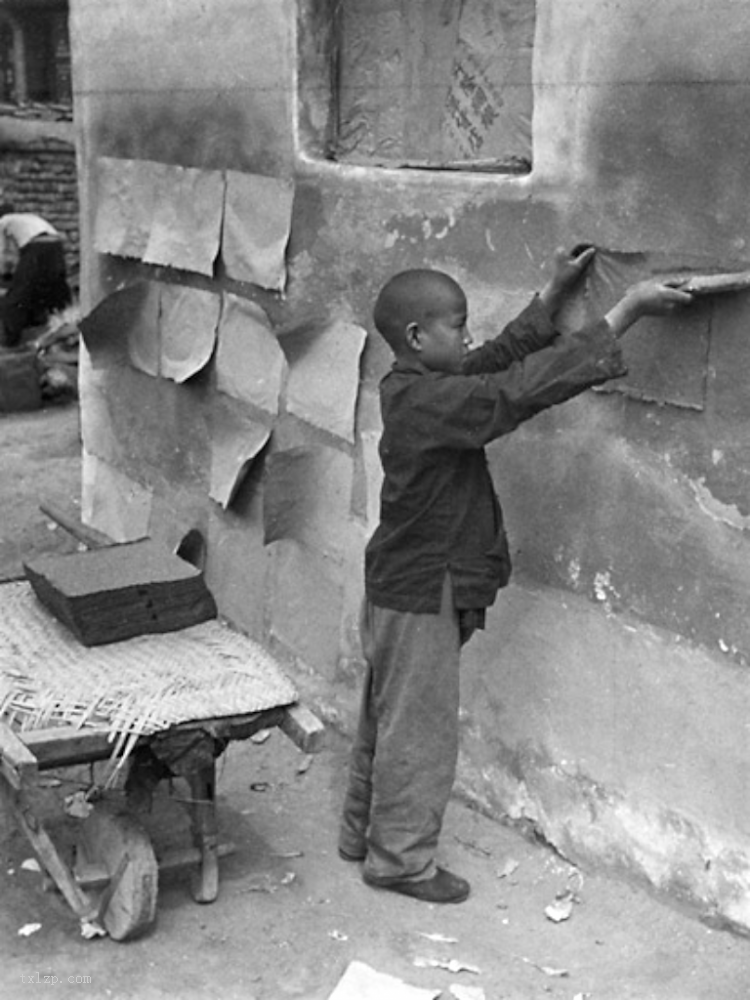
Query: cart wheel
[[116, 841]]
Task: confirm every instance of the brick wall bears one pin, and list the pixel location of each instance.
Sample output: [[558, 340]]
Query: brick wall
[[41, 177]]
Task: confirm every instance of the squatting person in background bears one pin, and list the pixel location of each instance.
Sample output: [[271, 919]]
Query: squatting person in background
[[32, 258]]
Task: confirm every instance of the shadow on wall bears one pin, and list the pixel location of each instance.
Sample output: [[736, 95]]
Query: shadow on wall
[[208, 132], [672, 155]]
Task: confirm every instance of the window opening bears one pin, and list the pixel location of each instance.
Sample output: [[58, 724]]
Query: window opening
[[35, 56], [437, 85], [9, 57]]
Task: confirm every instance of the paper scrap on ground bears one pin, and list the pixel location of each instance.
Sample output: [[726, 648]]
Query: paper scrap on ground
[[361, 982], [189, 320], [257, 221], [561, 909], [548, 970], [249, 365], [186, 227], [236, 440], [78, 805], [323, 382], [451, 965], [467, 992], [28, 929], [510, 866], [305, 764], [91, 930]]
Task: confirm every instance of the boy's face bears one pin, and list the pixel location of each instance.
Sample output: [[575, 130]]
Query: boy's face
[[442, 339]]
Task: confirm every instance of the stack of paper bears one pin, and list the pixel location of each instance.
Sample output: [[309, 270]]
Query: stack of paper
[[114, 593]]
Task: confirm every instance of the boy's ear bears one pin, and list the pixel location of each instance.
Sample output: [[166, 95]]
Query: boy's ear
[[412, 336]]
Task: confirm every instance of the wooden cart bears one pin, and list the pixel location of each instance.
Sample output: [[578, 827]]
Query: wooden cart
[[112, 884]]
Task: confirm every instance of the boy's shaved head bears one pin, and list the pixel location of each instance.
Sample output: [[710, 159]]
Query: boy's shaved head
[[413, 297]]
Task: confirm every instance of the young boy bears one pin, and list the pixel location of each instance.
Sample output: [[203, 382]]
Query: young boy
[[439, 554]]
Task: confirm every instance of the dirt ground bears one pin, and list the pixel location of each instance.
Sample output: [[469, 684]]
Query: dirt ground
[[291, 915]]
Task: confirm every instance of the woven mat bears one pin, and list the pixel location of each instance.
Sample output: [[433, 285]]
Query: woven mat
[[141, 686]]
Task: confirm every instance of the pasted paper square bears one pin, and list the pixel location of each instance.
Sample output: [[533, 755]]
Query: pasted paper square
[[98, 433], [257, 221], [667, 359], [127, 191], [113, 204], [236, 440], [189, 320], [323, 382], [666, 356], [125, 325], [186, 225], [112, 502], [488, 104], [307, 497], [250, 365]]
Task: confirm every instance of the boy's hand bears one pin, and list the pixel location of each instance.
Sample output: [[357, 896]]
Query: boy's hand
[[648, 298], [655, 298], [568, 266]]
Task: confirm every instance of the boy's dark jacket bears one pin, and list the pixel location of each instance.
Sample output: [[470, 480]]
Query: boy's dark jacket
[[438, 511]]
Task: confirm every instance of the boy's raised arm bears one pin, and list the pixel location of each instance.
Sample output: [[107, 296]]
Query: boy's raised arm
[[568, 268], [648, 298]]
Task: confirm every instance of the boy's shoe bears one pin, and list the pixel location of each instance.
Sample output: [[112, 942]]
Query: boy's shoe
[[443, 887], [347, 856]]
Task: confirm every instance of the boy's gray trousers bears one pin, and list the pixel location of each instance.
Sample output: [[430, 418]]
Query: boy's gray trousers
[[405, 751]]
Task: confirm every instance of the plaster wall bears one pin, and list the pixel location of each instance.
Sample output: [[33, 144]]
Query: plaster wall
[[606, 703]]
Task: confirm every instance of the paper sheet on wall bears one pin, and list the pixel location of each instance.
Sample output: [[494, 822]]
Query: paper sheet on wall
[[323, 382], [257, 221], [186, 226], [98, 433], [489, 102], [144, 336], [112, 502], [127, 191], [667, 356], [373, 476], [249, 364], [160, 213], [189, 321], [125, 326], [236, 441], [436, 83], [307, 497], [391, 93]]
